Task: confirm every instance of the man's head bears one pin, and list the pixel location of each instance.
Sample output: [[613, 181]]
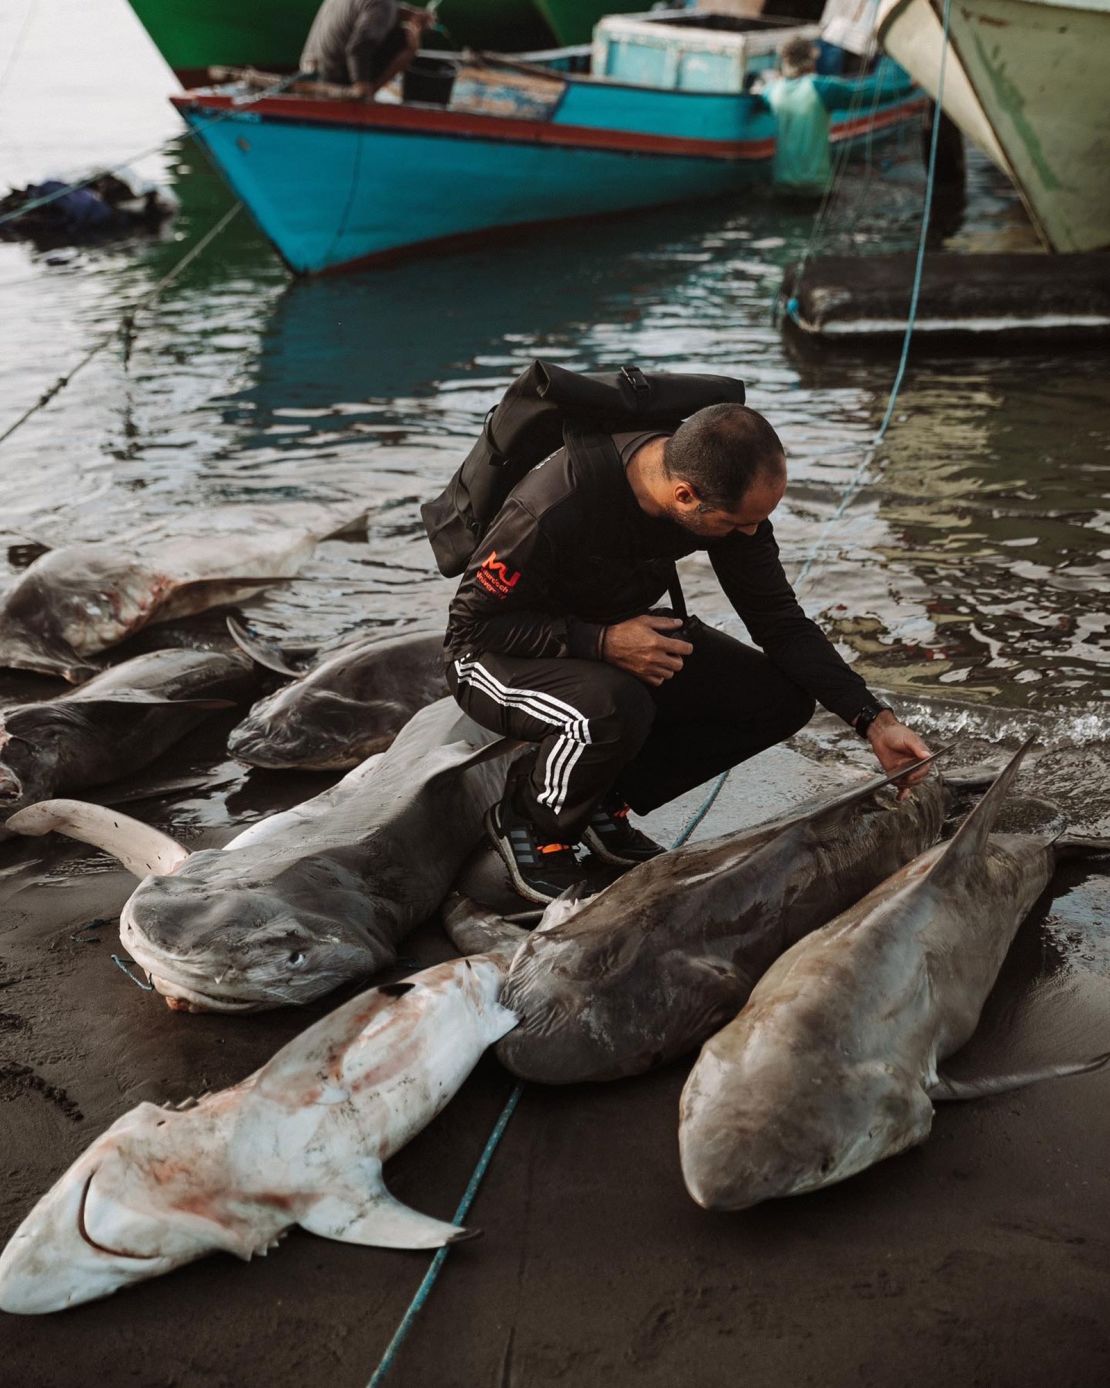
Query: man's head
[[798, 57], [725, 471]]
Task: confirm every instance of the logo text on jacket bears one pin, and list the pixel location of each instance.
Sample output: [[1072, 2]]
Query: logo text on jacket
[[495, 577]]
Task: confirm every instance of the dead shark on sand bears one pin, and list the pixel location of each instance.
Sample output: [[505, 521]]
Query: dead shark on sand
[[309, 898], [651, 966], [351, 703], [832, 1064], [300, 1142], [80, 599], [114, 725]]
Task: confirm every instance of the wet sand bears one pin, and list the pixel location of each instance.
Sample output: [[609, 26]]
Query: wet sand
[[978, 1259]]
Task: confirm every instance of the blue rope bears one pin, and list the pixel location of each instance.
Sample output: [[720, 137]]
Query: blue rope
[[930, 177], [425, 1288]]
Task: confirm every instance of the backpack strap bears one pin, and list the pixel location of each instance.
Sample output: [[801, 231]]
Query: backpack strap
[[595, 456]]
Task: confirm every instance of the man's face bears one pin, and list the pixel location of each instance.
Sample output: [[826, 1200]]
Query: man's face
[[750, 512]]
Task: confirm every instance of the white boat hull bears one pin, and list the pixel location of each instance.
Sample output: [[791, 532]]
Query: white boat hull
[[1035, 72]]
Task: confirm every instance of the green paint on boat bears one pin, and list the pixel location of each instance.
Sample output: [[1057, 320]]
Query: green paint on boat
[[1010, 100], [572, 21], [269, 34]]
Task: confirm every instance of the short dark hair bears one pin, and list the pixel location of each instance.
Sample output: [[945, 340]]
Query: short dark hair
[[721, 451]]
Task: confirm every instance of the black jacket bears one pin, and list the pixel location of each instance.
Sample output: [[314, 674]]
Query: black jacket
[[571, 552]]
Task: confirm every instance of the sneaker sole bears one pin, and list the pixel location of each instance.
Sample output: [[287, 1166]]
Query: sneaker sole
[[593, 842], [505, 853]]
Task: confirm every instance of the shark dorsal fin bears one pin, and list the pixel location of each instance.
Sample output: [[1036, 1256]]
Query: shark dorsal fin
[[970, 839]]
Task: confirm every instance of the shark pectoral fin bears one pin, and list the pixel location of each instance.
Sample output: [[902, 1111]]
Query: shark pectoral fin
[[141, 849], [947, 1087], [473, 929], [377, 1220], [265, 653]]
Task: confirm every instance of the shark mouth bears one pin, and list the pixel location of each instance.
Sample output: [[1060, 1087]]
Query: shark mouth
[[180, 998], [82, 1229]]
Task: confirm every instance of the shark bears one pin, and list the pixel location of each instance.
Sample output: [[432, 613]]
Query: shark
[[834, 1062], [301, 1142], [309, 898]]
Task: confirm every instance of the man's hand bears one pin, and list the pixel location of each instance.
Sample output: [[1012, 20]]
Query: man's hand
[[642, 647], [896, 745], [414, 22]]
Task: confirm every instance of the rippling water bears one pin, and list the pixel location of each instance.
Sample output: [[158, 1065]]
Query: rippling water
[[968, 565]]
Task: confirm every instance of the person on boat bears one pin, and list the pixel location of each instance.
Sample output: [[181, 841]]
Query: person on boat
[[802, 103], [363, 43], [630, 705]]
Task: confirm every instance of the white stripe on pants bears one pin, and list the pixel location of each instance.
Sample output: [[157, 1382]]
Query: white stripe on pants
[[546, 708]]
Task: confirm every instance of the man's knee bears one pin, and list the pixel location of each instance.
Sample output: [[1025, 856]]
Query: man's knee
[[622, 709]]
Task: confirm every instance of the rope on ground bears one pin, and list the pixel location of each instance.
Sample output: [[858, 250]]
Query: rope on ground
[[126, 323], [425, 1288], [429, 1281], [855, 485]]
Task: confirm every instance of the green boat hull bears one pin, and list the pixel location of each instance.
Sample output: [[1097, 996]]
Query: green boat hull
[[193, 35], [572, 21]]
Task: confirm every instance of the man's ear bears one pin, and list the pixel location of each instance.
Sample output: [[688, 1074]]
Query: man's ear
[[685, 495]]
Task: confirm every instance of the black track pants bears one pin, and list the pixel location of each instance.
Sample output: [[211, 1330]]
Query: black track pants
[[599, 728]]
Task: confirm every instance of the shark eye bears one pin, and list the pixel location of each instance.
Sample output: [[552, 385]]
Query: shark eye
[[297, 958]]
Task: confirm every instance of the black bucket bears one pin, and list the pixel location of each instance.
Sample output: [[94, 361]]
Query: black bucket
[[429, 80]]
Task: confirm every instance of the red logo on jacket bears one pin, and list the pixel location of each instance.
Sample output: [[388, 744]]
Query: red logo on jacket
[[495, 578]]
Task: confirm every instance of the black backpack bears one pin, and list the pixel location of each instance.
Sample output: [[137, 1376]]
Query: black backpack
[[545, 407]]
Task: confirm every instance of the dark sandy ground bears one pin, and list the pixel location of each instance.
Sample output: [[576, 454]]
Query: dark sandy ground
[[980, 1259]]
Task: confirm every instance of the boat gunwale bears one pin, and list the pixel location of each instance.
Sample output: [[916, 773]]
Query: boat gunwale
[[438, 121]]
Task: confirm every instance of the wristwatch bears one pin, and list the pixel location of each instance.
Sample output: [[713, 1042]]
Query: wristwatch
[[867, 715]]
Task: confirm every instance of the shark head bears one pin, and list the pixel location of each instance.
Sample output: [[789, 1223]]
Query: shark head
[[319, 729], [773, 1127], [127, 1210], [227, 932]]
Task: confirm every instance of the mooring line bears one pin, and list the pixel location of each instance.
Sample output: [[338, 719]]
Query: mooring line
[[856, 484], [126, 324], [429, 1281]]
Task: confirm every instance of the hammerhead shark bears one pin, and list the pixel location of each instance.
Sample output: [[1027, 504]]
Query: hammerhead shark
[[832, 1065]]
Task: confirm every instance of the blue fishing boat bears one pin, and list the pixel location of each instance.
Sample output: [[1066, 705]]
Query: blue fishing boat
[[658, 110]]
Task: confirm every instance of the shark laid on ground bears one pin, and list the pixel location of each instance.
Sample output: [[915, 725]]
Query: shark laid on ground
[[654, 964], [832, 1064], [114, 725], [309, 898], [80, 599], [301, 1142], [352, 703]]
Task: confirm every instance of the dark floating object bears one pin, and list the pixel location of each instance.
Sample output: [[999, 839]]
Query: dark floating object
[[965, 300], [108, 205]]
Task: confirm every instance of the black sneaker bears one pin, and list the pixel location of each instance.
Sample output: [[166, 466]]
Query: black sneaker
[[611, 837], [540, 870]]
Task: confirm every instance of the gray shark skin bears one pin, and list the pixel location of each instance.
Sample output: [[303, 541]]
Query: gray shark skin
[[351, 704], [114, 725], [310, 898], [830, 1066], [653, 965], [301, 1141], [80, 599]]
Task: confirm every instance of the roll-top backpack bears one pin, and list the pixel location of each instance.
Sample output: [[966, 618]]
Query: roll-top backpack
[[545, 407]]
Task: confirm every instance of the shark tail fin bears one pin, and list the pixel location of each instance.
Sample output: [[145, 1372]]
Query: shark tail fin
[[138, 847], [377, 1220], [474, 929], [970, 838]]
